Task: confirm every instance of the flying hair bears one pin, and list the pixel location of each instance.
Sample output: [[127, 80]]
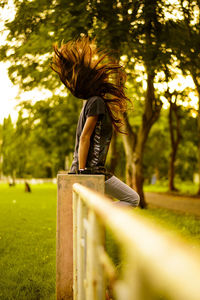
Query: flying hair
[[87, 71]]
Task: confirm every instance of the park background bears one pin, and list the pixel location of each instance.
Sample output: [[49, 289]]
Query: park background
[[158, 44]]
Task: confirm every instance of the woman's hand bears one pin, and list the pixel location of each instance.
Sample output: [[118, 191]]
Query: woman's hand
[[84, 143]]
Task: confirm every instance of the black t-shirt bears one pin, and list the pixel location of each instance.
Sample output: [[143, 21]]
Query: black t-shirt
[[100, 138]]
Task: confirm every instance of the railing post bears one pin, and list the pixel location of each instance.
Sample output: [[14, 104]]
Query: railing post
[[75, 229], [64, 238], [95, 277], [130, 287], [81, 244]]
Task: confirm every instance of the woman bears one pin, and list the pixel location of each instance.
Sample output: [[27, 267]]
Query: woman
[[92, 76]]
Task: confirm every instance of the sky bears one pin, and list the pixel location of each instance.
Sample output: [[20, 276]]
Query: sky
[[10, 95]]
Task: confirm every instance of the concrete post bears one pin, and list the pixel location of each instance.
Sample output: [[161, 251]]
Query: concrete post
[[64, 233]]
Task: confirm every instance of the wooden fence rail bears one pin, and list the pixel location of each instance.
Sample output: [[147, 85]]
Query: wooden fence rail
[[156, 263]]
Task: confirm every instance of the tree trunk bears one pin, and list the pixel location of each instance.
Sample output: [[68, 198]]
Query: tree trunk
[[198, 134], [129, 142], [194, 76], [130, 167], [157, 173], [139, 184], [13, 177], [134, 143], [150, 116], [139, 177], [113, 152], [175, 137], [171, 172]]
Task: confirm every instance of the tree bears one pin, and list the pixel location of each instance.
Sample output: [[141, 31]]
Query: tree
[[187, 158], [23, 145], [36, 26], [52, 132], [175, 135], [133, 28], [156, 157], [158, 148], [41, 139], [146, 40], [184, 39], [9, 149], [174, 125]]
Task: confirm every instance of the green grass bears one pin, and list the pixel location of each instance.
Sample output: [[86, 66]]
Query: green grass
[[184, 188], [188, 226], [184, 225], [27, 242]]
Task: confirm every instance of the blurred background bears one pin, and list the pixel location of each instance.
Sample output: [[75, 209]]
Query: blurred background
[[157, 42]]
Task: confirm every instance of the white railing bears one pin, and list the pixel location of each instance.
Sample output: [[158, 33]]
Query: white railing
[[31, 180], [156, 263]]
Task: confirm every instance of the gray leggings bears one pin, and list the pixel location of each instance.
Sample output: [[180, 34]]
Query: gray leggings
[[118, 189]]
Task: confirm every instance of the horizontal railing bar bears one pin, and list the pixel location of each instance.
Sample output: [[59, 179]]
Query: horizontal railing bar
[[170, 263]]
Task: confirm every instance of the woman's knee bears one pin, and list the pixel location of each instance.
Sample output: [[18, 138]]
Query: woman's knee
[[135, 199]]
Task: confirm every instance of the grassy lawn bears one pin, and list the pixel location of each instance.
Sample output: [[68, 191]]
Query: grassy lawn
[[184, 188], [186, 225], [28, 240]]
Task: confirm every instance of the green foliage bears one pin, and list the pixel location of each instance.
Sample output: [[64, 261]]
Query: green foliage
[[158, 149], [133, 29], [40, 142], [53, 127], [184, 37], [187, 159], [37, 25]]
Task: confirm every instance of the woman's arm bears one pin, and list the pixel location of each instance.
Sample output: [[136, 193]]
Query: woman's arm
[[84, 143]]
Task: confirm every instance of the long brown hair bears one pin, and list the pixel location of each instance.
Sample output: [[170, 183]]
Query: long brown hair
[[88, 72]]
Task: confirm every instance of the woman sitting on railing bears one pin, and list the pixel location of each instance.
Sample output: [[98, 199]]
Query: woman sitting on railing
[[92, 75]]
